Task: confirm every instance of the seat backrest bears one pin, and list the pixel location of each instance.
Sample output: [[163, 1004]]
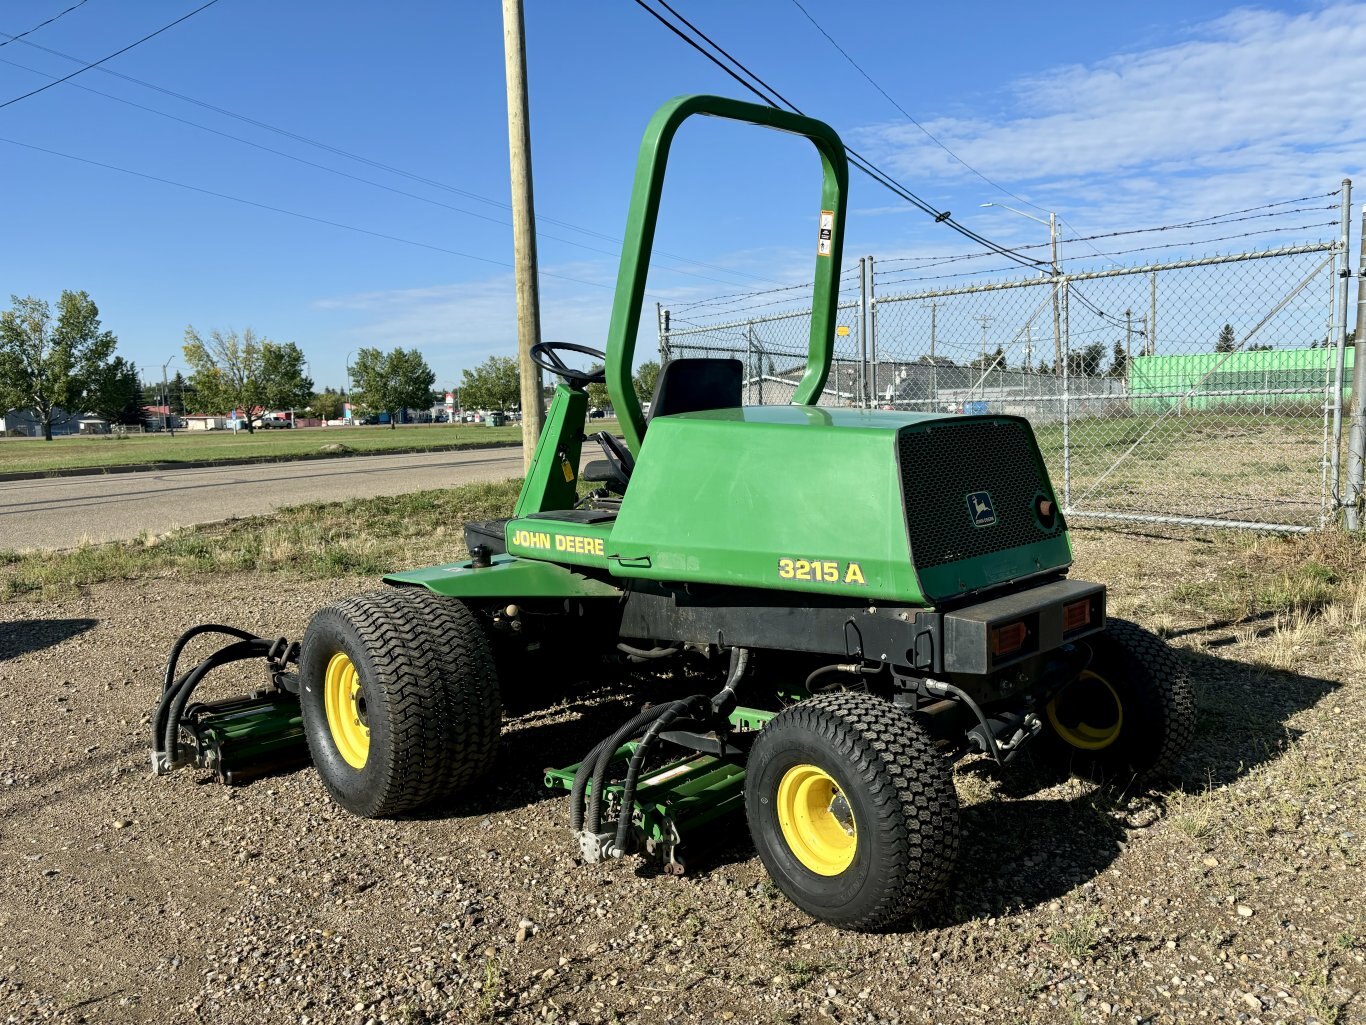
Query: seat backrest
[[692, 385]]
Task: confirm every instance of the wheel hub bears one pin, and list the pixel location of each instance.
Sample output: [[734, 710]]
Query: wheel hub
[[816, 820], [1087, 713], [344, 702]]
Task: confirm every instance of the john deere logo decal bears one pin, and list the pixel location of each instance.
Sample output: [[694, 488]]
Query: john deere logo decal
[[980, 508]]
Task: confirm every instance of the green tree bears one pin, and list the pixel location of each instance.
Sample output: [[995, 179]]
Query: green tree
[[48, 367], [328, 404], [248, 374], [494, 384], [598, 396], [392, 381], [1227, 341], [647, 375], [1119, 361], [116, 393], [1086, 362]]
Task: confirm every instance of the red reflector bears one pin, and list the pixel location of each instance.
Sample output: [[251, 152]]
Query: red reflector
[[1005, 639], [1076, 615]]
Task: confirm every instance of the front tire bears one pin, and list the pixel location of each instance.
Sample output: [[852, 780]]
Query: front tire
[[852, 810], [1129, 717], [400, 700]]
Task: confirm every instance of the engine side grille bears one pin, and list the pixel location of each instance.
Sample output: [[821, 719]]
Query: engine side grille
[[945, 464]]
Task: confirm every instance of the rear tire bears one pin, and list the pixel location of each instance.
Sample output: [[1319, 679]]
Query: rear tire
[[400, 700], [1129, 717], [852, 810]]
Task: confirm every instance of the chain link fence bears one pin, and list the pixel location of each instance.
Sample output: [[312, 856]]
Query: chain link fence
[[1203, 391]]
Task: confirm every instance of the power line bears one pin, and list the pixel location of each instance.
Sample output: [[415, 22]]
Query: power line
[[906, 114], [338, 151], [296, 213], [775, 99], [346, 174], [96, 64], [43, 24]]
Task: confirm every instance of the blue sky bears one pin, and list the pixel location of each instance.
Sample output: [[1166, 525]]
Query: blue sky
[[1117, 116]]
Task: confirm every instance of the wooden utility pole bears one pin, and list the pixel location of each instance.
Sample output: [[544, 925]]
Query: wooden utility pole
[[523, 227]]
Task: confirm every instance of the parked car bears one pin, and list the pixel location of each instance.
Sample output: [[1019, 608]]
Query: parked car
[[271, 421]]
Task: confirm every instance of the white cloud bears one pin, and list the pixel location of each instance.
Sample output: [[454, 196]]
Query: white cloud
[[1255, 106]]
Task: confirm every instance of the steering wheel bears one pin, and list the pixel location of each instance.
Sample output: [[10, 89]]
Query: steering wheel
[[546, 355]]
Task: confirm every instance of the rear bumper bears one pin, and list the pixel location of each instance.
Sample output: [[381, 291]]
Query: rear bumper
[[1042, 611]]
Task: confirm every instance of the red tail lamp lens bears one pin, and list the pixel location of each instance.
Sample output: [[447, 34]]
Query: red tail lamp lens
[[1005, 639], [1076, 616]]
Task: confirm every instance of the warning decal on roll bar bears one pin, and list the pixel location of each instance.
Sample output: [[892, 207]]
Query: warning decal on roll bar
[[827, 237]]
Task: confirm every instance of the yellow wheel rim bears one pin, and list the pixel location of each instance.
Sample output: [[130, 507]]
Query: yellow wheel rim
[[816, 820], [344, 702], [1087, 713]]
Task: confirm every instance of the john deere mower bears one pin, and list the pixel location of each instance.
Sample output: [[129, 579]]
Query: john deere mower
[[904, 576]]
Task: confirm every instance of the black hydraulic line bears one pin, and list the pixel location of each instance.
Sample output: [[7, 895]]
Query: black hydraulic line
[[698, 706], [939, 688], [681, 709], [841, 667], [204, 628], [175, 701], [604, 748], [724, 701], [593, 819], [649, 653]]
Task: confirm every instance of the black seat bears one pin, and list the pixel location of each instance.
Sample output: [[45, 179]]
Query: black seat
[[693, 385]]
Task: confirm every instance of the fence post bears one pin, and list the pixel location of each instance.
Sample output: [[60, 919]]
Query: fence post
[[872, 328], [1355, 491], [1344, 278], [1151, 346], [749, 360], [662, 320], [1065, 339], [862, 391]]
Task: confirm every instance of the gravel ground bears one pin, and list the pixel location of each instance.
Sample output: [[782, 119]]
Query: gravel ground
[[1235, 896]]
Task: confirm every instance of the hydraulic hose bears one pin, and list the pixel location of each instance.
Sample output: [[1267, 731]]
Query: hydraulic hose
[[191, 634], [938, 688], [724, 701], [173, 703], [841, 667], [699, 704], [646, 654], [604, 749], [176, 689]]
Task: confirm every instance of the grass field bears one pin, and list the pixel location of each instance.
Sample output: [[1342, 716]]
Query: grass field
[[34, 454], [1214, 465]]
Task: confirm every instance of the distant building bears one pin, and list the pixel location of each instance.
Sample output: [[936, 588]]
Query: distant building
[[24, 423]]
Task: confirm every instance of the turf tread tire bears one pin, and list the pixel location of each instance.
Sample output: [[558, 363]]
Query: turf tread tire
[[901, 790], [1156, 681], [431, 691]]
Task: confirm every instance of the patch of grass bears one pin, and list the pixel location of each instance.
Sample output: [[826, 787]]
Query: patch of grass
[[1078, 939], [802, 972], [317, 541], [488, 992], [36, 455], [1318, 998]]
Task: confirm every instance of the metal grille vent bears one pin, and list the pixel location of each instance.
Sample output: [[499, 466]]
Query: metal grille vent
[[944, 464]]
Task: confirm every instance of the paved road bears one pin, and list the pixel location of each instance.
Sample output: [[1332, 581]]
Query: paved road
[[62, 512]]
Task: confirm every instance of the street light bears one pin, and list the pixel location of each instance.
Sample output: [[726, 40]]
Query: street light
[[1052, 223], [346, 391], [167, 421]]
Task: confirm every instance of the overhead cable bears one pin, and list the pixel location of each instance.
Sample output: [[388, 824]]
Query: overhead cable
[[96, 64]]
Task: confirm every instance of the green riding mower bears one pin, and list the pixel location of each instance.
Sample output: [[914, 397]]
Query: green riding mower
[[904, 575]]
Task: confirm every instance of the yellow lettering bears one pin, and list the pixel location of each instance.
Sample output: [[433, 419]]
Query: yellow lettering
[[785, 569], [854, 574], [578, 543]]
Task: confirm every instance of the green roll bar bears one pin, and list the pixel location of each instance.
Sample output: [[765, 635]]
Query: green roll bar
[[640, 233]]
